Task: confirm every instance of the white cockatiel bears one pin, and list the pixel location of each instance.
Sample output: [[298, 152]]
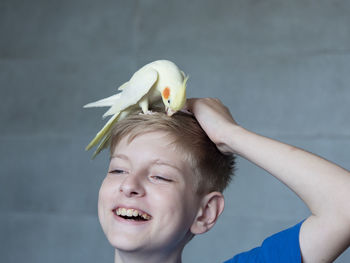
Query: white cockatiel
[[157, 81]]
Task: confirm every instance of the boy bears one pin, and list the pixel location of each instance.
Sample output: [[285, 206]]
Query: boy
[[165, 181]]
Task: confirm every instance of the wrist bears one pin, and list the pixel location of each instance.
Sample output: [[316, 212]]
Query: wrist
[[231, 139]]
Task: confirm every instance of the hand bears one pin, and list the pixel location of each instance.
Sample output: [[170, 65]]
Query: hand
[[215, 119]]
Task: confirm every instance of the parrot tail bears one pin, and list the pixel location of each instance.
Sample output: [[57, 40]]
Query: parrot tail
[[104, 144], [103, 131]]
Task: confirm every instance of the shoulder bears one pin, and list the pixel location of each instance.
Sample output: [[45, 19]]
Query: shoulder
[[280, 247]]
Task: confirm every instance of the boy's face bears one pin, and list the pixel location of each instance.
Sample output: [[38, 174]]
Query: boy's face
[[149, 178]]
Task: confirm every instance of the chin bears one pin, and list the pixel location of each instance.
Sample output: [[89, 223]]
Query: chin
[[128, 242], [125, 244]]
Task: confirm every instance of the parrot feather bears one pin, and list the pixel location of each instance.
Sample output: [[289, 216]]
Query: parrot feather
[[106, 102], [102, 145], [103, 131], [183, 74], [105, 142], [123, 86]]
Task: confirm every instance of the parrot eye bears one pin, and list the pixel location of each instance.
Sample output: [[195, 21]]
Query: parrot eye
[[169, 101]]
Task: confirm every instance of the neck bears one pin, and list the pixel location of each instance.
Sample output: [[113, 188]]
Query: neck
[[135, 257]]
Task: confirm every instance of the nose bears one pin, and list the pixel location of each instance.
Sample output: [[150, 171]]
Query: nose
[[132, 186]]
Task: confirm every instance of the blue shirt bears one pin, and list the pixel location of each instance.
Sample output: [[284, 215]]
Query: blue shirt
[[281, 247]]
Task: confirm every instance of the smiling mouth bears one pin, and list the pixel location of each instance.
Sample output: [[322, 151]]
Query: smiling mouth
[[131, 214]]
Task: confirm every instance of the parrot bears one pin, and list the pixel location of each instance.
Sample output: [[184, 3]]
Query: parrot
[[156, 82]]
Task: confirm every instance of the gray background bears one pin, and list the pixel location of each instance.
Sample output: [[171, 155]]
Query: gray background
[[282, 67]]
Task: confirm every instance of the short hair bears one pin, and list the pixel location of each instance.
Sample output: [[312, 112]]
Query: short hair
[[213, 170]]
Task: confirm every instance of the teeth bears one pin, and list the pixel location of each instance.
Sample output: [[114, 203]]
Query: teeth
[[145, 216], [131, 213], [123, 212]]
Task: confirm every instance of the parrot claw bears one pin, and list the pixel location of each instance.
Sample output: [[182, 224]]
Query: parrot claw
[[149, 112]]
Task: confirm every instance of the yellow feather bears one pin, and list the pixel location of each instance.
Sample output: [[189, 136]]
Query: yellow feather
[[103, 131], [103, 144]]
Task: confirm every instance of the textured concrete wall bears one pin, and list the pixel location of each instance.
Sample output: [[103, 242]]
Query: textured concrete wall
[[282, 67]]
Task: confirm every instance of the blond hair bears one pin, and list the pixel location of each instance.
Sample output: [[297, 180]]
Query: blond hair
[[212, 169]]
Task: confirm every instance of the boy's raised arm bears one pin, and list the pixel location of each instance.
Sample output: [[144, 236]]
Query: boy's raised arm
[[322, 185]]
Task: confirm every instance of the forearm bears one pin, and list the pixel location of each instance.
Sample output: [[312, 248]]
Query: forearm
[[322, 185]]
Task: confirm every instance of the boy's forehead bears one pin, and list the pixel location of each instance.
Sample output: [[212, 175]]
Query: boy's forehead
[[162, 145], [147, 137], [152, 140]]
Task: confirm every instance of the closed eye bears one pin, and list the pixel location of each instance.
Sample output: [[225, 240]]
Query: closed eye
[[117, 171], [160, 178]]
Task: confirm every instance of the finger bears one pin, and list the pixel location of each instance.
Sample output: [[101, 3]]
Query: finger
[[186, 112], [189, 104]]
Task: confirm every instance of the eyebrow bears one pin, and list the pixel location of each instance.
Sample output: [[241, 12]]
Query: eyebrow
[[120, 156], [154, 162], [161, 162]]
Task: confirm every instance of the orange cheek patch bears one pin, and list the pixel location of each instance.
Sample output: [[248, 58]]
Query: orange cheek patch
[[166, 93]]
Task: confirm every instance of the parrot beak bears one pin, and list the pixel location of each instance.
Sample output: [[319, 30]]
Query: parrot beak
[[169, 111]]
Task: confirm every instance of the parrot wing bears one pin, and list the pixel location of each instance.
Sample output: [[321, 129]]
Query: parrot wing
[[123, 86], [139, 85], [106, 102]]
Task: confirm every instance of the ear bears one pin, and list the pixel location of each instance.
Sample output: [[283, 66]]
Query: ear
[[211, 207]]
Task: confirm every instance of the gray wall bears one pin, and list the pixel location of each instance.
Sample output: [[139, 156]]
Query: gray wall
[[282, 67]]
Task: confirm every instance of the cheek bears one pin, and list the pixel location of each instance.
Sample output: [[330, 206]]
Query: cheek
[[100, 209], [103, 201], [173, 205]]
